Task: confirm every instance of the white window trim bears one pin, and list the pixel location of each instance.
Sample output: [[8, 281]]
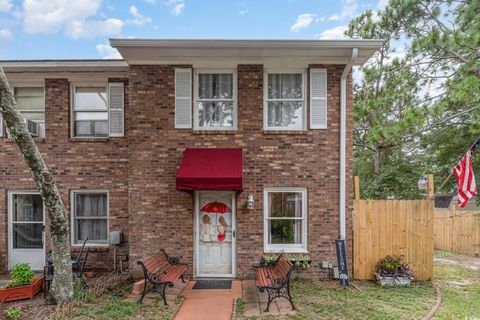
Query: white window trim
[[73, 107], [72, 223], [289, 248], [266, 100], [195, 99]]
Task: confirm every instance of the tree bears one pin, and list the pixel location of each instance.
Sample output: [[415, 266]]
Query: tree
[[421, 112], [62, 286]]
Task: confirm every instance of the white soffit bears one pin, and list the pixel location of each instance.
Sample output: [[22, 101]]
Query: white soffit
[[198, 52]]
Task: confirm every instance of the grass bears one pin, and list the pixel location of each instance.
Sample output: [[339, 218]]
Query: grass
[[239, 307], [327, 300], [460, 286]]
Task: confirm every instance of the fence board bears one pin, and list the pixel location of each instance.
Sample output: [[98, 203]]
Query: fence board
[[393, 227], [457, 231]]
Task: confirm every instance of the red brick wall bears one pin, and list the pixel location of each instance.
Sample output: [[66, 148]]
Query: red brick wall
[[139, 170], [160, 216], [74, 164]]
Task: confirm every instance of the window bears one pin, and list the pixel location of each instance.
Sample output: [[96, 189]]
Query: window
[[215, 101], [91, 112], [284, 101], [285, 223], [90, 217], [31, 104], [98, 111]]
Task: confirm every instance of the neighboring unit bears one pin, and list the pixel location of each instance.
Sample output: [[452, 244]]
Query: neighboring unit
[[168, 145]]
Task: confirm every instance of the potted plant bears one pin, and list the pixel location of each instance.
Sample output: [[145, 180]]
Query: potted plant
[[299, 260], [393, 271], [24, 284]]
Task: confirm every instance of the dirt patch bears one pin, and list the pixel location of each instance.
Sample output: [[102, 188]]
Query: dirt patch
[[465, 261]]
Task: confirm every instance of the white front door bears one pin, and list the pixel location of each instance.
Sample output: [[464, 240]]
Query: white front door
[[215, 231], [25, 229]]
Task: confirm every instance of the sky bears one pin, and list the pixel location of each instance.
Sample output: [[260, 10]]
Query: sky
[[80, 29]]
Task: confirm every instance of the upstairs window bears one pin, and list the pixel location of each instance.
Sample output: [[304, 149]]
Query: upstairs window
[[98, 111], [215, 101], [284, 101], [91, 112], [31, 104]]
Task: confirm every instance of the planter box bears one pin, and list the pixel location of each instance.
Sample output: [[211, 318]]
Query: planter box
[[393, 281], [20, 293]]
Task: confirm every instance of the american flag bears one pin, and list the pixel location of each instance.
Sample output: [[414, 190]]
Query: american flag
[[467, 188]]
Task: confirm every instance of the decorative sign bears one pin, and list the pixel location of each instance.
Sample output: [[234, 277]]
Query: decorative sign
[[342, 262]]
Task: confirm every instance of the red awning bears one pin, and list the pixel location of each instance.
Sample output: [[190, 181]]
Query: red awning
[[211, 169]]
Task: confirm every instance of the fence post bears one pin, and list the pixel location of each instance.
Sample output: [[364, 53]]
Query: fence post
[[356, 184], [430, 187]]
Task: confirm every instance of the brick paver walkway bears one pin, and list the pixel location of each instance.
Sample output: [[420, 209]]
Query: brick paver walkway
[[208, 304]]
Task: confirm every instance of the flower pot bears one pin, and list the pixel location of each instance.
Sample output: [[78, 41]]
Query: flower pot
[[24, 292], [399, 281]]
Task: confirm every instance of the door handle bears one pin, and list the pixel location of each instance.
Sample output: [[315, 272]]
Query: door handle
[[234, 233]]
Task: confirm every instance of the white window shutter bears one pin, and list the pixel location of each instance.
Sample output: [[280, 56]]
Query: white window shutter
[[318, 99], [116, 109], [183, 98]]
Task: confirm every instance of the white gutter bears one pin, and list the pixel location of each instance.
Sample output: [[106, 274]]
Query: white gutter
[[343, 140]]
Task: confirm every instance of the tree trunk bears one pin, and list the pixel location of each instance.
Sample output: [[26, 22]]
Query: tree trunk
[[62, 286], [377, 161]]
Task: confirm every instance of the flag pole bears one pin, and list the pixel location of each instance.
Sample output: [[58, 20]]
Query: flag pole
[[451, 172]]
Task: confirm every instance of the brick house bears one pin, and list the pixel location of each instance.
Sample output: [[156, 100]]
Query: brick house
[[215, 150]]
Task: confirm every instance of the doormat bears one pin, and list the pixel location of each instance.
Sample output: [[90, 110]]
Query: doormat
[[213, 284]]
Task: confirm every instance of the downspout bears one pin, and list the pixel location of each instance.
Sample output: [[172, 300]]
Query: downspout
[[343, 140]]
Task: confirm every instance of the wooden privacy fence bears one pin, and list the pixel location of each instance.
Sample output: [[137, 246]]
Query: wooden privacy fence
[[458, 231], [393, 227]]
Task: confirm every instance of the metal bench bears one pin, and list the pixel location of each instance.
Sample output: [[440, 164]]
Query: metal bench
[[161, 271], [276, 280]]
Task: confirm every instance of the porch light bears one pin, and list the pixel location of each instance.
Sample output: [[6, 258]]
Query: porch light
[[422, 182], [250, 202]]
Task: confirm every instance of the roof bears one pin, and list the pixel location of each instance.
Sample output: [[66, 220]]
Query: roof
[[218, 52], [64, 65]]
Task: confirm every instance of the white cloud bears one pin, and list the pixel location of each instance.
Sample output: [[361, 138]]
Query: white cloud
[[349, 8], [177, 6], [303, 21], [90, 29], [108, 52], [5, 5], [243, 12], [5, 37], [69, 16], [139, 19], [243, 8], [334, 33], [154, 2], [382, 4]]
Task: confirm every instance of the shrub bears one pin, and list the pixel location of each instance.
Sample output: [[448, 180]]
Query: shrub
[[300, 260], [13, 313], [21, 275], [394, 266]]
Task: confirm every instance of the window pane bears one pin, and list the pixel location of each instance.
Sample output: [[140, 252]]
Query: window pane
[[91, 98], [90, 205], [215, 114], [286, 115], [30, 99], [215, 86], [28, 236], [285, 86], [285, 204], [27, 207], [95, 230], [91, 128], [285, 232]]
